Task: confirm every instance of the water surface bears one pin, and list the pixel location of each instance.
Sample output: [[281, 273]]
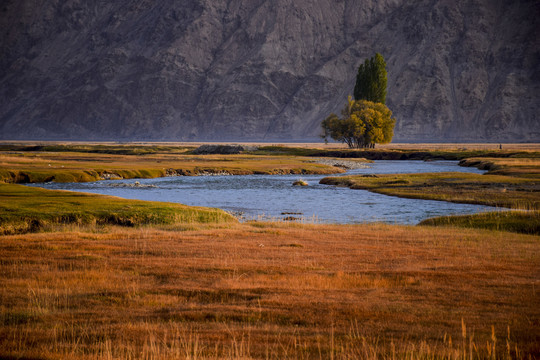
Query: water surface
[[274, 197]]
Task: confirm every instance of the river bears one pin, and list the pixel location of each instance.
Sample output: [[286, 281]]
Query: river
[[268, 197]]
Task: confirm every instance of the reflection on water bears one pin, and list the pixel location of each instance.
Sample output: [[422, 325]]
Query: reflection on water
[[274, 197]]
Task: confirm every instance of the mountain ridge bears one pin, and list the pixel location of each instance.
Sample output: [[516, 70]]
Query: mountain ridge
[[265, 70]]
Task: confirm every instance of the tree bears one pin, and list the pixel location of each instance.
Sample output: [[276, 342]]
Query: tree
[[371, 80], [363, 124]]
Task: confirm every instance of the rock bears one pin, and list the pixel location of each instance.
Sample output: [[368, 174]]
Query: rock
[[291, 218], [213, 173], [136, 184], [345, 164], [464, 70], [110, 176], [300, 183]]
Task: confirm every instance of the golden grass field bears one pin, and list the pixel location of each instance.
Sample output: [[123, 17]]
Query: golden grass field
[[270, 291], [177, 282]]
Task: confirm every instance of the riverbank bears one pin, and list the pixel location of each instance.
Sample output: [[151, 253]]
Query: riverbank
[[525, 222], [404, 152], [83, 162], [491, 190], [36, 167], [26, 209], [520, 167], [27, 163]]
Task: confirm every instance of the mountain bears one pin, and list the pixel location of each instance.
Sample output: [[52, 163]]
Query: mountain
[[458, 70]]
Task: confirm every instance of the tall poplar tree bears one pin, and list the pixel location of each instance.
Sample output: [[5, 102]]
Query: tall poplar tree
[[366, 120], [371, 80]]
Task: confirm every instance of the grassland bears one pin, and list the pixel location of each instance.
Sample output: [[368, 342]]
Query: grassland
[[97, 148], [25, 209], [29, 163], [270, 291], [177, 282], [526, 222], [33, 167], [492, 190], [520, 167], [403, 153]]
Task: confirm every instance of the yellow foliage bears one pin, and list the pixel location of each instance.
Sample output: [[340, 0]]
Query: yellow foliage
[[363, 124]]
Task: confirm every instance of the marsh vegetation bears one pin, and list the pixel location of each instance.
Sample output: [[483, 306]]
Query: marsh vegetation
[[492, 190], [24, 209]]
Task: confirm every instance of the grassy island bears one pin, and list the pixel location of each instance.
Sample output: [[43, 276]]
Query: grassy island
[[491, 190]]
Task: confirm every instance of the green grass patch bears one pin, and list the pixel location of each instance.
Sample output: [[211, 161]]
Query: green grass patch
[[491, 190], [525, 222], [40, 176], [27, 209], [65, 176]]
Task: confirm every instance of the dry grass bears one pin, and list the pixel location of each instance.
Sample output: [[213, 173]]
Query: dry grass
[[28, 209], [526, 222], [491, 190], [259, 290], [74, 166], [270, 291], [522, 167]]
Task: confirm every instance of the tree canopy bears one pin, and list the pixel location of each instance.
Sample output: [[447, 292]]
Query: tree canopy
[[371, 80], [363, 124]]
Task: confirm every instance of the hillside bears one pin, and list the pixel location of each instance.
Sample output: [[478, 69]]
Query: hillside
[[265, 70]]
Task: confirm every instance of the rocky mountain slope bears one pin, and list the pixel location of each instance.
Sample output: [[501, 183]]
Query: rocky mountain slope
[[459, 70]]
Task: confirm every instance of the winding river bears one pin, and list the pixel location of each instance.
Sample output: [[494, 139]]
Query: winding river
[[267, 197]]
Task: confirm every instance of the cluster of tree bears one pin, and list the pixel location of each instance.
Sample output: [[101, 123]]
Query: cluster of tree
[[363, 124], [366, 120]]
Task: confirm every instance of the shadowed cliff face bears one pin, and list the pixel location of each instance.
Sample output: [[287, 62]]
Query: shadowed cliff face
[[458, 70]]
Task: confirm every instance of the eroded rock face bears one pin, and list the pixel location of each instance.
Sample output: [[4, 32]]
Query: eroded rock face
[[459, 70]]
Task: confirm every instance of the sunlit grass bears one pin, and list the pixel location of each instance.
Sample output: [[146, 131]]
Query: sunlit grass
[[527, 222], [521, 167], [31, 167], [393, 152], [90, 162], [491, 190], [242, 291], [27, 209], [182, 282]]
